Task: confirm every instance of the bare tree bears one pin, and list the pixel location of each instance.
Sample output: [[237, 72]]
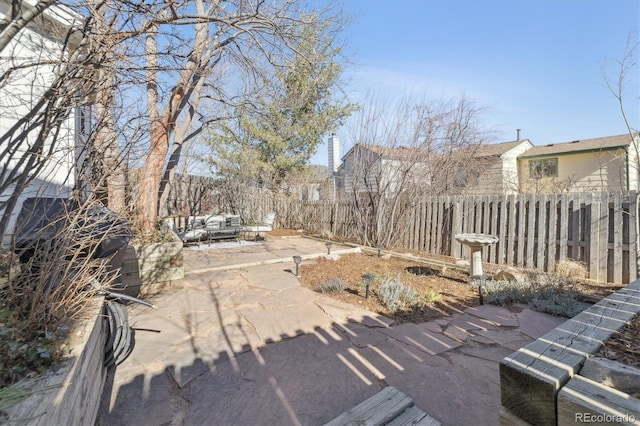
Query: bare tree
[[415, 149], [626, 68]]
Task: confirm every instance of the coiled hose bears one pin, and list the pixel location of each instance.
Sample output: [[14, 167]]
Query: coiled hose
[[120, 336]]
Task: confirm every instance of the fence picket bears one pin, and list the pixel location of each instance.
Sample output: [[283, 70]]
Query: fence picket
[[634, 250], [575, 227], [511, 232], [492, 220], [564, 227], [540, 222], [616, 230], [522, 224], [441, 221], [594, 254], [552, 233], [603, 237]]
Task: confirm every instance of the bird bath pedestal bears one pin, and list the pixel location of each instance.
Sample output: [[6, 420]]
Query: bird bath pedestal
[[476, 242]]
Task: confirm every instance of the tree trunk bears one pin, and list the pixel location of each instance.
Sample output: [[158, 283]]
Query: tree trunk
[[151, 174]]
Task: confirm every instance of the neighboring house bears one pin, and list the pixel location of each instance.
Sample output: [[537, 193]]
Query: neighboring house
[[497, 168], [377, 169], [33, 56], [484, 169], [599, 164], [311, 183]]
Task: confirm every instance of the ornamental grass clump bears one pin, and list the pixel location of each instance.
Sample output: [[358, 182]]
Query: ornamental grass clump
[[332, 285], [396, 295], [544, 292]]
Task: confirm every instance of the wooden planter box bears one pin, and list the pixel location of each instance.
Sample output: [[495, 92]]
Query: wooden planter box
[[70, 393], [148, 268], [540, 383]]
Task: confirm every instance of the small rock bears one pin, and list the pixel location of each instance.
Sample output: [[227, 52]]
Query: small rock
[[358, 250], [463, 262], [385, 256], [508, 274]]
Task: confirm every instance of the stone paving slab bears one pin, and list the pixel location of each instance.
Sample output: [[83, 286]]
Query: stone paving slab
[[448, 390], [292, 382], [360, 335], [284, 323], [501, 337], [272, 277], [207, 280], [472, 322], [457, 333], [497, 315], [248, 298], [344, 312], [288, 297], [153, 408], [420, 338], [535, 324]]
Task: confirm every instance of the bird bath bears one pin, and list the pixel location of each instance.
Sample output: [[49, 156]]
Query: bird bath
[[476, 242]]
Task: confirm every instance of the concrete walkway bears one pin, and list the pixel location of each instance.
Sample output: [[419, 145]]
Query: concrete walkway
[[250, 346]]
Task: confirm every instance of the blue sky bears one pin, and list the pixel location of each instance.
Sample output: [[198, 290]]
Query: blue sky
[[536, 64]]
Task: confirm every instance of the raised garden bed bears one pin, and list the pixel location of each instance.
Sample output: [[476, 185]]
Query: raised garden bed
[[148, 268], [542, 382], [69, 393]]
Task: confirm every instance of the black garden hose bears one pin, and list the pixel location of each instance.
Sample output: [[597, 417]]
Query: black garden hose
[[119, 341], [120, 338]]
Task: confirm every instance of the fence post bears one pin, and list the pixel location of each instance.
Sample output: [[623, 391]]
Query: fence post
[[456, 227]]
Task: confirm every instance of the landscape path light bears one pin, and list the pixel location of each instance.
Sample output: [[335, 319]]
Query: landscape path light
[[368, 280], [328, 244], [481, 282], [378, 247], [297, 260]]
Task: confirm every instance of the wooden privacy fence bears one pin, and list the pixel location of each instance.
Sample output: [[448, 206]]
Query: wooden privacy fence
[[534, 231]]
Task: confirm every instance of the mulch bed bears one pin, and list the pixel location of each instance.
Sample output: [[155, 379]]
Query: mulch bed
[[624, 345], [451, 285]]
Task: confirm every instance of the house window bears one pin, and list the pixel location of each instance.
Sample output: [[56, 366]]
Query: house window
[[543, 168]]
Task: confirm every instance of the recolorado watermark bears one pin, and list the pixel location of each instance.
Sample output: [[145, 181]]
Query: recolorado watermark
[[604, 418]]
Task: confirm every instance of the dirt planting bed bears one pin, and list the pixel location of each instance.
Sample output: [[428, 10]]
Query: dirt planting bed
[[438, 291]]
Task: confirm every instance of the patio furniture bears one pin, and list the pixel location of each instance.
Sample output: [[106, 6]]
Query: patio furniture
[[209, 228], [265, 226], [220, 227], [195, 231]]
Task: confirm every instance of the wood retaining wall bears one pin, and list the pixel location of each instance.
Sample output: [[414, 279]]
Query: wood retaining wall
[[539, 383], [70, 393]]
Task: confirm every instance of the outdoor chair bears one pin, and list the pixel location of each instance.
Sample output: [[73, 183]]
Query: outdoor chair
[[265, 226], [196, 230]]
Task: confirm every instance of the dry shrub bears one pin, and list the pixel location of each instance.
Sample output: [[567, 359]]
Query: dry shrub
[[395, 295], [332, 285], [54, 282], [572, 269], [548, 293]]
